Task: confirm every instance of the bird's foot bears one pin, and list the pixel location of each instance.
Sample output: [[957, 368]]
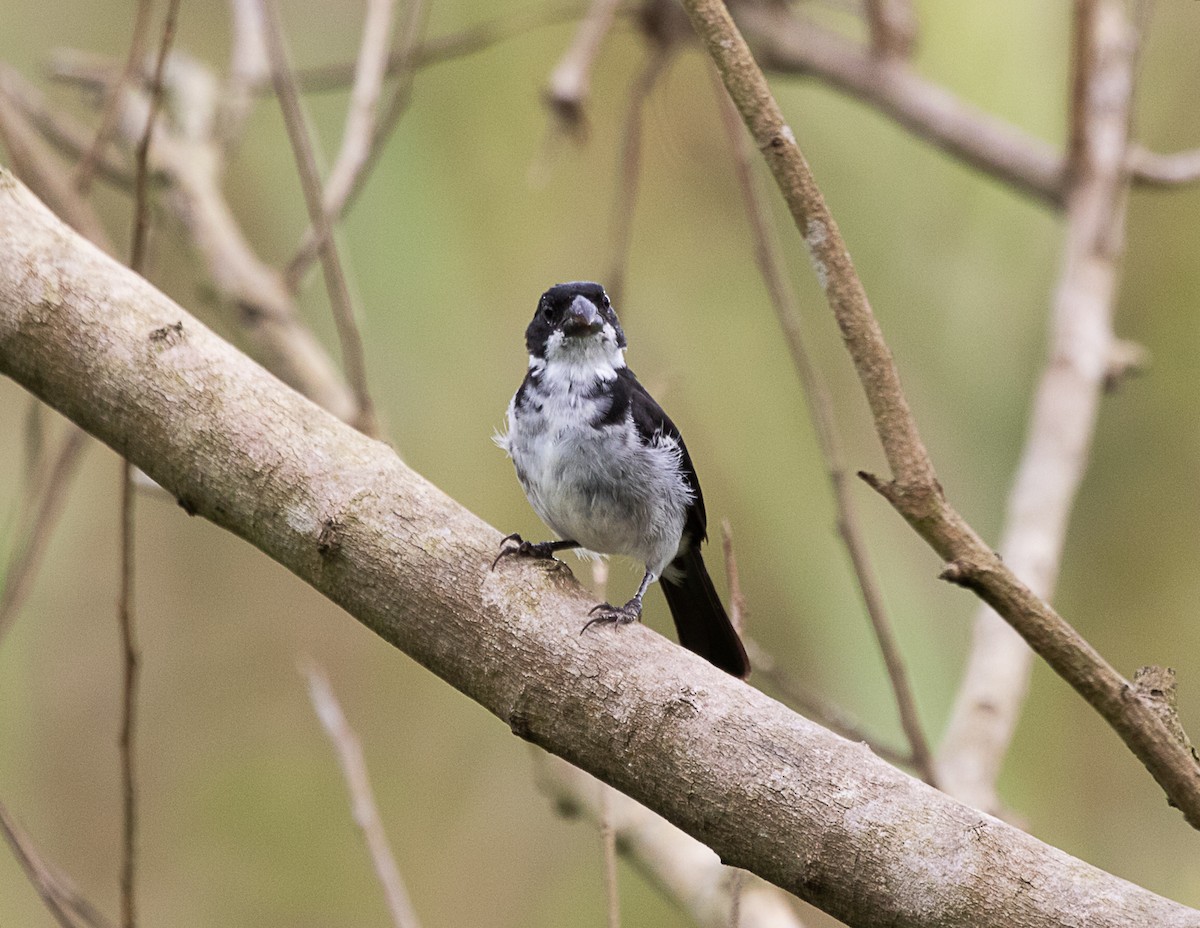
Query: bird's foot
[[608, 614], [542, 550]]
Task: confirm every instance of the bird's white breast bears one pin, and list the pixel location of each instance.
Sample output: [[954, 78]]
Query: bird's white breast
[[598, 485]]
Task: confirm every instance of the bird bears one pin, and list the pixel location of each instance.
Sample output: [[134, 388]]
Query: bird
[[606, 469]]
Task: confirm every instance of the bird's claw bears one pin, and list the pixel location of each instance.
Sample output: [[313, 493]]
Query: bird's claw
[[608, 614], [542, 550]]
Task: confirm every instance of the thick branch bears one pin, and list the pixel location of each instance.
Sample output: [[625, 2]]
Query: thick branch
[[768, 790]]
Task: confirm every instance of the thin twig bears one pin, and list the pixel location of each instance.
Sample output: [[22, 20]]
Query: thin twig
[[65, 134], [467, 41], [141, 208], [112, 104], [892, 25], [129, 686], [44, 500], [258, 305], [35, 530], [604, 816], [630, 170], [821, 412], [362, 112], [353, 359], [35, 166], [125, 619], [608, 844], [69, 908], [737, 600], [362, 799], [914, 490], [249, 72], [736, 881], [339, 198], [1152, 169]]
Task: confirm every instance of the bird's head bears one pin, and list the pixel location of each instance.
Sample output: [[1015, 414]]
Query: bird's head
[[574, 322]]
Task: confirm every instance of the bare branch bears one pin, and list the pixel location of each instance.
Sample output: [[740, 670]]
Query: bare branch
[[130, 661], [130, 656], [687, 872], [189, 158], [467, 41], [1079, 368], [141, 175], [111, 111], [362, 113], [893, 27], [310, 182], [362, 798], [1158, 687], [737, 601], [736, 886], [789, 44], [1151, 169], [34, 529], [63, 133], [608, 842], [239, 448], [249, 71], [786, 43], [69, 908], [820, 410], [35, 166], [570, 81], [625, 199], [914, 490], [340, 197]]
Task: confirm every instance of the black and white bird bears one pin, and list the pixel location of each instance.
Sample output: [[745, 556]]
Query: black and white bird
[[607, 470]]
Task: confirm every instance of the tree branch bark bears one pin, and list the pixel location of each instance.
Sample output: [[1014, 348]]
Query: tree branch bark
[[768, 790]]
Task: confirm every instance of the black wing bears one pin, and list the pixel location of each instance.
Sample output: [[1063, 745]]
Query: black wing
[[649, 419]]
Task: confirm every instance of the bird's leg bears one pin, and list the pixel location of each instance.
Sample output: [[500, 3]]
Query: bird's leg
[[608, 614], [538, 549]]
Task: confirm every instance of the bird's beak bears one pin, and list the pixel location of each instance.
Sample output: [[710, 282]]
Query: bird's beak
[[583, 318]]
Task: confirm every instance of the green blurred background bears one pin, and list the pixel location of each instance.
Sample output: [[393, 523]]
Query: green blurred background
[[470, 215]]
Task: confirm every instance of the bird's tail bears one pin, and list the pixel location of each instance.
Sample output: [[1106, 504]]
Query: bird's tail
[[700, 619]]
